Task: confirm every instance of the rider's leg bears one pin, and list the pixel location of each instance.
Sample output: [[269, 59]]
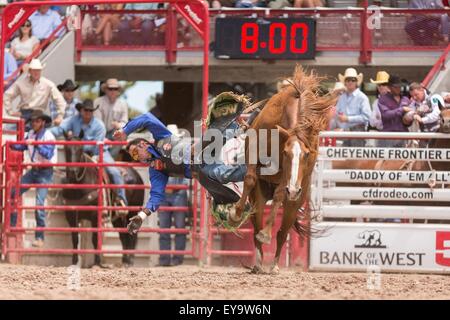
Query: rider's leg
[[165, 222], [218, 191], [116, 177], [228, 173], [179, 217]]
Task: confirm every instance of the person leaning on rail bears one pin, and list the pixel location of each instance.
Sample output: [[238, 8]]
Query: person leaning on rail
[[89, 128], [37, 175]]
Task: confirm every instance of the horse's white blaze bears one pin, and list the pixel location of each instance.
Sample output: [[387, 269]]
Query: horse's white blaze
[[296, 151]]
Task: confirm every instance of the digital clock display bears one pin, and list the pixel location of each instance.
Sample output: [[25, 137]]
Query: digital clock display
[[271, 38]]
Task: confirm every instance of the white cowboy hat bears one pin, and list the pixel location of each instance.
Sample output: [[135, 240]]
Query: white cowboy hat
[[36, 64], [351, 73], [173, 128]]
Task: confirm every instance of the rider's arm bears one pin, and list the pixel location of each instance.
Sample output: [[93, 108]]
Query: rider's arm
[[98, 135], [65, 126], [158, 181], [149, 122], [387, 113]]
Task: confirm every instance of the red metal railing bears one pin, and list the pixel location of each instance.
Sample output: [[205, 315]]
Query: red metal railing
[[438, 66], [337, 30], [13, 205]]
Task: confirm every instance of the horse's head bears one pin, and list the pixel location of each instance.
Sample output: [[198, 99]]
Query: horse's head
[[445, 120], [295, 163], [73, 153]]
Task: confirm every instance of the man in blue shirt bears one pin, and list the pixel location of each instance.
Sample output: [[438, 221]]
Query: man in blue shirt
[[37, 175], [353, 107], [93, 130], [44, 21]]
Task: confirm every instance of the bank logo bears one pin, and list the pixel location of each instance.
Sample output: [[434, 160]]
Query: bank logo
[[370, 239]]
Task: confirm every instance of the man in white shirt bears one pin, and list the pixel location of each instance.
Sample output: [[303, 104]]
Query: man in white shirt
[[112, 110], [38, 175]]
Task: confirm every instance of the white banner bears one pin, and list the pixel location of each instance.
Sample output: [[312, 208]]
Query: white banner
[[391, 247], [388, 176], [347, 153], [374, 193]]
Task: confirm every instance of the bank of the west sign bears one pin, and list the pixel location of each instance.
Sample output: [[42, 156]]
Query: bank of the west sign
[[392, 247]]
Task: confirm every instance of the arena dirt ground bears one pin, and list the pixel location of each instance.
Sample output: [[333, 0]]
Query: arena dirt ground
[[192, 282]]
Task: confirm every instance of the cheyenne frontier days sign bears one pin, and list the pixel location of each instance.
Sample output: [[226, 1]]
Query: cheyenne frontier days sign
[[391, 247]]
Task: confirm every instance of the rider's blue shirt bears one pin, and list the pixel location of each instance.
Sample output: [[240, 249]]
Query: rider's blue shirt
[[158, 178]]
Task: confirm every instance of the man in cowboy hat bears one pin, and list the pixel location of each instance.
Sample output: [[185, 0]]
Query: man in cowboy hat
[[39, 175], [392, 106], [34, 92], [89, 128], [112, 110], [352, 108], [67, 89], [381, 81]]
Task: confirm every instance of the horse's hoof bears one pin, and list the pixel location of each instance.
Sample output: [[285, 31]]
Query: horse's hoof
[[262, 237], [275, 270], [257, 270]]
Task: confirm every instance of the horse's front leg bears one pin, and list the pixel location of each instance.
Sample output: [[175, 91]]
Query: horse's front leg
[[257, 220], [249, 184], [265, 235]]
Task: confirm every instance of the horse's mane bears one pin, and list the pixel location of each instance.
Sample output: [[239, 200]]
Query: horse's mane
[[314, 113]]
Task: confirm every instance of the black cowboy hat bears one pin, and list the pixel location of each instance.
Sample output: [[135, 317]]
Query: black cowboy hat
[[87, 104], [39, 114], [68, 85], [394, 81]]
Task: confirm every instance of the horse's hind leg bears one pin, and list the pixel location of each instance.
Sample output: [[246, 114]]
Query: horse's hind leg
[[71, 217], [289, 216], [75, 246], [265, 235]]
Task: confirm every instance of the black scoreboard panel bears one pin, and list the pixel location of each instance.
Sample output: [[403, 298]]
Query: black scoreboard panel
[[270, 38]]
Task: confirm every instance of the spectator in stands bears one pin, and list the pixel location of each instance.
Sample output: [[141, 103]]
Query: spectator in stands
[[93, 130], [423, 109], [9, 66], [392, 106], [249, 3], [446, 96], [144, 22], [112, 110], [38, 175], [308, 3], [67, 89], [381, 81], [24, 45], [44, 21], [35, 92], [424, 28], [353, 107], [108, 22], [173, 198]]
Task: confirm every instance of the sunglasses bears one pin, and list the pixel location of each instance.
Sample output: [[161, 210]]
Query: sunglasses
[[113, 89], [26, 25], [351, 80], [88, 110]]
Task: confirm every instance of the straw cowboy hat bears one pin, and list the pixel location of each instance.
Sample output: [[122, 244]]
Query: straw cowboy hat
[[111, 83], [39, 114], [382, 78], [87, 104], [351, 73], [68, 85], [36, 64], [173, 128]]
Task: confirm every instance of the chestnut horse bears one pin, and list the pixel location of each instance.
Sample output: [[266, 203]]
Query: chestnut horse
[[299, 114]]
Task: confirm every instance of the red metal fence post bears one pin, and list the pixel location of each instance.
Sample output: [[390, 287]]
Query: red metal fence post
[[100, 196]]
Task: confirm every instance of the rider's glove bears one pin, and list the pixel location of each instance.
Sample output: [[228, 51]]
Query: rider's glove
[[136, 221]]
